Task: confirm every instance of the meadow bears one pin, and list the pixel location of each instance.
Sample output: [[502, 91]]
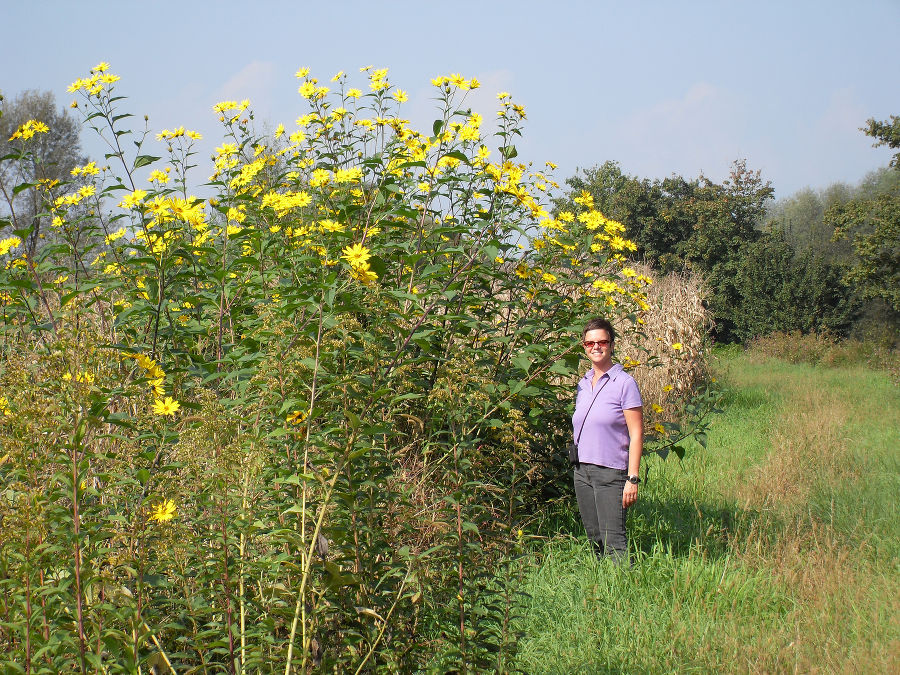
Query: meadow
[[774, 549]]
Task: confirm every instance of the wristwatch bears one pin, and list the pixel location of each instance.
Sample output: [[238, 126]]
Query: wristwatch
[[634, 479]]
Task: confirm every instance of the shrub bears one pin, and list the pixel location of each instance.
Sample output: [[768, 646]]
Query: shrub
[[825, 350], [299, 423]]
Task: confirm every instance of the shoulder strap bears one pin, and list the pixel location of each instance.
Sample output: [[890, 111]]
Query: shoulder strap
[[589, 408]]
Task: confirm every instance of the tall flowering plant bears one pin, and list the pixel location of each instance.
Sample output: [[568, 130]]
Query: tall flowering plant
[[300, 422]]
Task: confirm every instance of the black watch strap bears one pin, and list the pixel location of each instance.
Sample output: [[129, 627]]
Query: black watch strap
[[634, 479]]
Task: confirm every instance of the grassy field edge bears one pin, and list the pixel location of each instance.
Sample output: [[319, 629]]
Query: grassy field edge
[[773, 549]]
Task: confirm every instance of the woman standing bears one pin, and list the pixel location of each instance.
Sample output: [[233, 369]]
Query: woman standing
[[609, 434]]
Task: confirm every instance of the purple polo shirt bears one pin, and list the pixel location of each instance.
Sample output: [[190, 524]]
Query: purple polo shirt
[[605, 439]]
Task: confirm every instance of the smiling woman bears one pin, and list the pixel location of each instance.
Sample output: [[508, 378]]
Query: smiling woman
[[608, 426]]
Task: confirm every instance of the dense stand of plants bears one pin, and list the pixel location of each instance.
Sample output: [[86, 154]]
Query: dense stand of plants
[[300, 424]]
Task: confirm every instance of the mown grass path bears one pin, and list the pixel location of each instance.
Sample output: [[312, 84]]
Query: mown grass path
[[775, 549]]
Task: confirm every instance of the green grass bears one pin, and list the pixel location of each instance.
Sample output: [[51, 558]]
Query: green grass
[[774, 549]]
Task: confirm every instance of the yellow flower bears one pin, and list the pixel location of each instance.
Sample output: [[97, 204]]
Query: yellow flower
[[157, 176], [158, 385], [163, 511], [586, 199], [657, 408], [302, 72], [132, 200], [353, 175], [89, 169], [356, 255], [296, 417], [328, 225], [101, 67], [29, 129], [659, 428], [319, 177], [668, 388], [468, 133], [401, 96], [4, 407], [10, 243], [677, 346], [167, 406], [364, 274], [354, 93], [307, 89]]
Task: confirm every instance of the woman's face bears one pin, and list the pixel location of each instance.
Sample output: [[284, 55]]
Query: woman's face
[[600, 350]]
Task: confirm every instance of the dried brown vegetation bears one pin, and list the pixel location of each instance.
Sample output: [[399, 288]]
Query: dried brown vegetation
[[831, 570], [677, 316]]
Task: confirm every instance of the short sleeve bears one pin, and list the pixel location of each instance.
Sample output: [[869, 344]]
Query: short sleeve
[[631, 395]]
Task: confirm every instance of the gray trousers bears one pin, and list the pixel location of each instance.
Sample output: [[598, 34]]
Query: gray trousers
[[598, 490]]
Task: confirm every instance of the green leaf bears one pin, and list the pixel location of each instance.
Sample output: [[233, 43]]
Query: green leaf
[[378, 266], [144, 160], [437, 126], [22, 186], [678, 450], [522, 361], [562, 368], [456, 154]]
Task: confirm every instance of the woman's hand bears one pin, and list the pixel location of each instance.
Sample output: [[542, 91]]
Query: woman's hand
[[629, 494], [634, 419]]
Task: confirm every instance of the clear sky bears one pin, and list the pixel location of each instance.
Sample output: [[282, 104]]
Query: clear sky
[[661, 87]]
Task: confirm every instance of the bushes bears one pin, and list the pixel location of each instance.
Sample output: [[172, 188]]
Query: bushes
[[824, 350]]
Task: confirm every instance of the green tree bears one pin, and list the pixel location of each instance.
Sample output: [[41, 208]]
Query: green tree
[[678, 223], [650, 210], [886, 133], [873, 228], [779, 290]]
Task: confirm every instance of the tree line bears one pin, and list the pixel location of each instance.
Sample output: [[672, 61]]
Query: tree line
[[817, 261]]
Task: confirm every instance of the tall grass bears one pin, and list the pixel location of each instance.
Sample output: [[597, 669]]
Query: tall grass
[[774, 549]]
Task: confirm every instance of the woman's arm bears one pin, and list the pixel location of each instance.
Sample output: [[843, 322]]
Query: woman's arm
[[634, 420]]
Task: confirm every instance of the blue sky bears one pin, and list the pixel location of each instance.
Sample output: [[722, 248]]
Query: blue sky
[[660, 87]]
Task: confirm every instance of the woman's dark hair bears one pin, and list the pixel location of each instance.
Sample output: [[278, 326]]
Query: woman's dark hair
[[599, 324]]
